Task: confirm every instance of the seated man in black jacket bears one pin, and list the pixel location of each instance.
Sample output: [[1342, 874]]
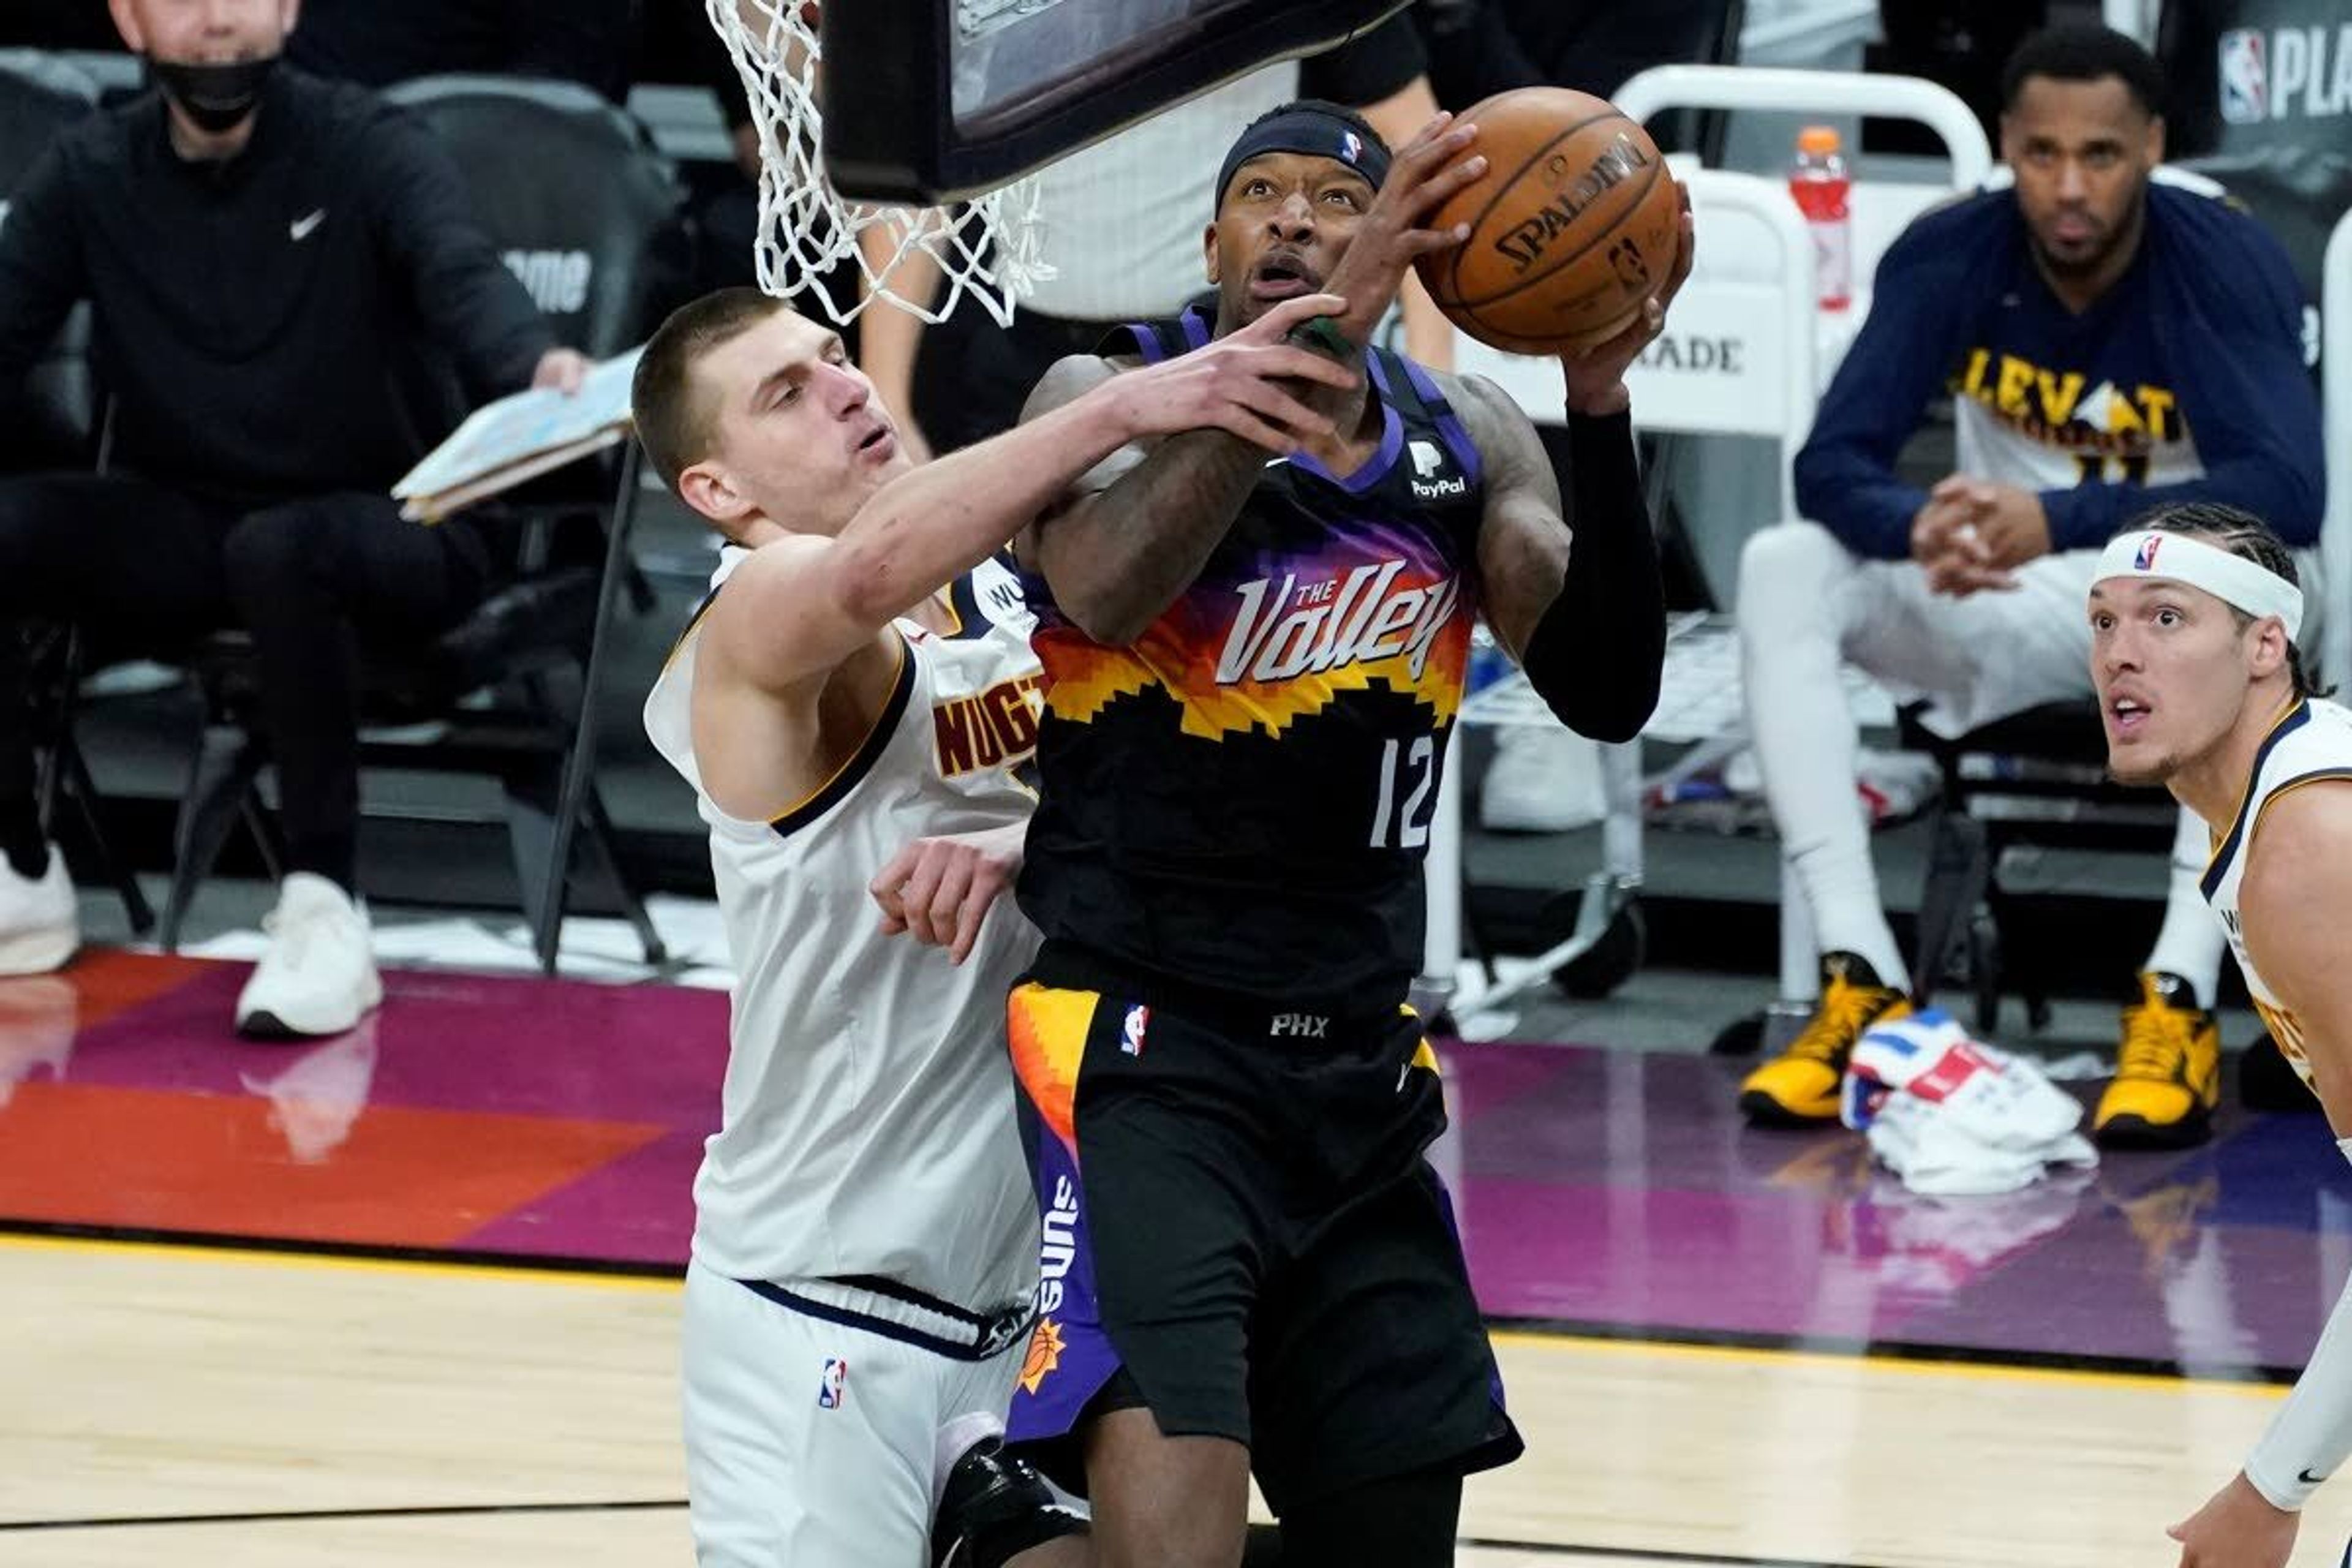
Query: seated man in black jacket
[[259, 246]]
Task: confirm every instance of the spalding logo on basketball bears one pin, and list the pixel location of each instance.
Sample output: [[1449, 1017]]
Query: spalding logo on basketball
[[1571, 228]]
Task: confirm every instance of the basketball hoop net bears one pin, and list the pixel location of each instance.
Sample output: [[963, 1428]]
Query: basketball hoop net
[[987, 248]]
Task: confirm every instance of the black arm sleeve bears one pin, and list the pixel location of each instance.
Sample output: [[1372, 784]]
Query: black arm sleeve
[[1366, 69], [1599, 651], [41, 271], [473, 307]]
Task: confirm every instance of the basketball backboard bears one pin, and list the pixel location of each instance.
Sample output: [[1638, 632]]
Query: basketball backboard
[[933, 100]]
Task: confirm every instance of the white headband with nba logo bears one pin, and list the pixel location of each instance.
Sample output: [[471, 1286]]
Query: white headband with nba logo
[[2233, 579]]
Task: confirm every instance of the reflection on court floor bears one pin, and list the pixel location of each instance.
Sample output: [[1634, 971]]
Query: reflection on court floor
[[1753, 1348]]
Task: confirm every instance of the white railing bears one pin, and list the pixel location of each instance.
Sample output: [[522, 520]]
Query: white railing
[[2336, 409], [1775, 90]]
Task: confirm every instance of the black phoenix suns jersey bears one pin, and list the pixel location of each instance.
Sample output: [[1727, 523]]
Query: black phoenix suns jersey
[[1241, 799]]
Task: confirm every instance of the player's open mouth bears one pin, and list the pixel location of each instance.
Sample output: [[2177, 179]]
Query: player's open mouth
[[2127, 715], [1281, 277], [878, 445]]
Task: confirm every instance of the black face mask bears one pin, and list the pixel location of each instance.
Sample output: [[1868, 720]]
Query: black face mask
[[217, 97]]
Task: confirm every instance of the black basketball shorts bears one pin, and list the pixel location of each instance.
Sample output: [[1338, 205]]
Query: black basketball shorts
[[1237, 1212]]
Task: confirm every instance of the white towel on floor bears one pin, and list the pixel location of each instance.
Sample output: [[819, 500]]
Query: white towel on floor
[[1954, 1116]]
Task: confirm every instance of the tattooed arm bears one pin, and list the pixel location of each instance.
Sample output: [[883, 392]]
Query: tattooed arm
[[1133, 533]]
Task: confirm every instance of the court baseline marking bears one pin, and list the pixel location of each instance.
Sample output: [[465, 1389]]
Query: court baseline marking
[[651, 1505]]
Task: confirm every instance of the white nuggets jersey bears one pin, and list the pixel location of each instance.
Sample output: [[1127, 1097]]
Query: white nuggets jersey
[[867, 1124], [2311, 741]]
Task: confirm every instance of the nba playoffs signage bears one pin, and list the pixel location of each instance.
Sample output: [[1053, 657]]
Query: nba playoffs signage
[[2286, 73], [2244, 74]]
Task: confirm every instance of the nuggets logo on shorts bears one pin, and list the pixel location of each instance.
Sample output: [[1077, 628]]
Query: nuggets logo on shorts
[[1046, 1345], [832, 1389]]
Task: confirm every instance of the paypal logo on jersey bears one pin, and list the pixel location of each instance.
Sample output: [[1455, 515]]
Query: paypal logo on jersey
[[1430, 462]]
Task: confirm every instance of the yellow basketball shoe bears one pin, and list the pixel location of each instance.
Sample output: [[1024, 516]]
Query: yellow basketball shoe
[[1800, 1085], [2167, 1071]]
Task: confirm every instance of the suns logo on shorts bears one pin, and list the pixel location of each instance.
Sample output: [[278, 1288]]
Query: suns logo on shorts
[[1046, 1345], [1057, 1245], [833, 1388]]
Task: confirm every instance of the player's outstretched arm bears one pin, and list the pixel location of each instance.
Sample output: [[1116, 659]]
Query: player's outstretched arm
[[1581, 609], [1134, 531], [799, 606], [1573, 591], [2294, 906]]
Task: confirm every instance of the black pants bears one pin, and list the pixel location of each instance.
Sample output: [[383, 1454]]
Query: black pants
[[145, 569]]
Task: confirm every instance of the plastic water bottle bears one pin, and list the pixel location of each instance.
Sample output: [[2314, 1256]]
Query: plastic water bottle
[[1818, 182]]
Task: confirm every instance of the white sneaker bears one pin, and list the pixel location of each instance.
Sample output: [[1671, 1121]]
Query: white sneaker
[[40, 923], [319, 976], [1543, 779]]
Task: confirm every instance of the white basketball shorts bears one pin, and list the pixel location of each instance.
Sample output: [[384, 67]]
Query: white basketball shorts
[[814, 1419]]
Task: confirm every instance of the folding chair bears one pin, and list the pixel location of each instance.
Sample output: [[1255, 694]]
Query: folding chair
[[1760, 293], [580, 220], [1767, 306], [572, 193], [49, 422]]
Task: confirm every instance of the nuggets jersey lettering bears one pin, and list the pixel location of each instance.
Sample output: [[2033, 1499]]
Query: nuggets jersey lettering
[[2311, 743], [2044, 398], [1241, 799], [866, 1122]]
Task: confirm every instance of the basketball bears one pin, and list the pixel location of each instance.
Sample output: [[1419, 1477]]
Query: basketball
[[1572, 227]]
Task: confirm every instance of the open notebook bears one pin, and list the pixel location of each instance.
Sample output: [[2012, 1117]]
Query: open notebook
[[519, 438]]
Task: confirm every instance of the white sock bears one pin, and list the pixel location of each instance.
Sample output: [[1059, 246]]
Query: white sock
[[1804, 736], [2191, 943]]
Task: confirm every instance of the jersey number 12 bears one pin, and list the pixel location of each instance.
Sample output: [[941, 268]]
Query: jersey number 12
[[1412, 823]]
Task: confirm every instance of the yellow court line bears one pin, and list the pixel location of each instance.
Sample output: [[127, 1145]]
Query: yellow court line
[[1517, 1339], [230, 1252]]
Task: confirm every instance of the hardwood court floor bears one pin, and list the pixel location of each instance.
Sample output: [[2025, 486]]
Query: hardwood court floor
[[312, 1411]]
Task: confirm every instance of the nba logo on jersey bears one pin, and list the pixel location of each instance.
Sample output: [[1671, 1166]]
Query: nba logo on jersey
[[2145, 559], [1130, 1034], [830, 1389], [2245, 78]]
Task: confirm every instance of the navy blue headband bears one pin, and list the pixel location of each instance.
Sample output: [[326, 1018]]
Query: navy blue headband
[[1317, 132]]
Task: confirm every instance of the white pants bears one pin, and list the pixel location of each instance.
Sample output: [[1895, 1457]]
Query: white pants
[[810, 1444], [1806, 602]]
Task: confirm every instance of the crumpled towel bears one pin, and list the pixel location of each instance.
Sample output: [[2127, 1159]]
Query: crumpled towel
[[1952, 1116]]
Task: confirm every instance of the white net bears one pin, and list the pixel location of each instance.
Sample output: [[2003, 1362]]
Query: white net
[[987, 248]]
